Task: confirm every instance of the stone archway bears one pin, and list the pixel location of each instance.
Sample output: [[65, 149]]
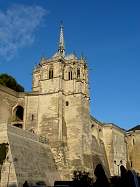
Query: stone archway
[[17, 117], [18, 112]]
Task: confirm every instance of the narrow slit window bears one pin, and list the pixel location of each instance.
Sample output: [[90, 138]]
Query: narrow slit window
[[133, 142], [51, 73], [67, 103], [32, 117], [131, 164], [78, 73], [63, 74], [69, 75]]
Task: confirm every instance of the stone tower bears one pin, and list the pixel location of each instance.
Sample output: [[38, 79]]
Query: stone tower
[[58, 108], [63, 135]]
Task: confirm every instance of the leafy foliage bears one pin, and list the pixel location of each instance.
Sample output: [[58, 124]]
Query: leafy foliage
[[10, 82], [82, 178]]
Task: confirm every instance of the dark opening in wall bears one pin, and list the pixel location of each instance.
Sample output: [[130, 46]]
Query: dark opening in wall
[[131, 164], [92, 125], [32, 117], [70, 75], [19, 113], [67, 103], [133, 142], [51, 73], [78, 73], [18, 125], [63, 74]]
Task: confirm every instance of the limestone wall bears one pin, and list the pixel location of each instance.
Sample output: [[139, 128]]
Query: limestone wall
[[98, 146], [41, 115], [74, 129], [133, 145], [48, 115], [28, 159], [31, 112], [8, 100], [77, 124], [116, 148]]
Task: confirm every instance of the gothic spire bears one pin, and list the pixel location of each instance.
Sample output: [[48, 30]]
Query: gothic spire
[[61, 48]]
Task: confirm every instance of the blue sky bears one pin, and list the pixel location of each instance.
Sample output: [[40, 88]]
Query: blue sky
[[107, 32]]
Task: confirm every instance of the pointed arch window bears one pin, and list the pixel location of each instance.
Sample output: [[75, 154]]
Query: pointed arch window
[[70, 75], [51, 73], [63, 74], [78, 73], [32, 117]]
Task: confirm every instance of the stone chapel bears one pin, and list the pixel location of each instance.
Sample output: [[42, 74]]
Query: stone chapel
[[55, 116]]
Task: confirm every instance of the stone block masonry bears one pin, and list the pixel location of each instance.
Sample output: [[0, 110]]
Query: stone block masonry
[[27, 158]]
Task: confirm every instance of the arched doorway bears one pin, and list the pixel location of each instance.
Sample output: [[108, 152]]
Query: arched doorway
[[17, 119], [19, 113]]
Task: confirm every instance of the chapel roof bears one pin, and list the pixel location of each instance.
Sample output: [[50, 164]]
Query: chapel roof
[[137, 127]]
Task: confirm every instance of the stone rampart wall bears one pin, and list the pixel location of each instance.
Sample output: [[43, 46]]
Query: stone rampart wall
[[28, 158]]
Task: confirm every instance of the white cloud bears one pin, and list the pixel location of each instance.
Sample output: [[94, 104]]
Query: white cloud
[[17, 28]]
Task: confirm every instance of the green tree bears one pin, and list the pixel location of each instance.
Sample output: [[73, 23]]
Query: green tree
[[82, 179], [10, 82]]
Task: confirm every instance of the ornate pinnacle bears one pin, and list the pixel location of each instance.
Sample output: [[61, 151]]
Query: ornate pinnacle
[[61, 48]]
